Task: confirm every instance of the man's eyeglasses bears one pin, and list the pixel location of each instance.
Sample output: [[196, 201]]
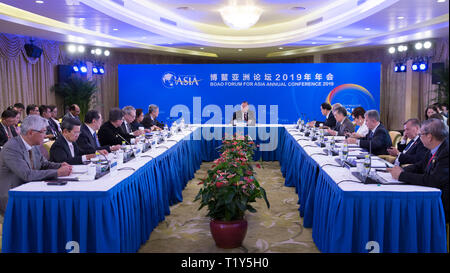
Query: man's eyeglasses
[[40, 132]]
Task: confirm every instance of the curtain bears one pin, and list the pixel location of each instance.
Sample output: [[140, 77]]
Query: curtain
[[24, 79]]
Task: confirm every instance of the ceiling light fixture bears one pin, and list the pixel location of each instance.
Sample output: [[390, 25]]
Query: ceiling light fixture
[[240, 16], [367, 28], [39, 2], [400, 17]]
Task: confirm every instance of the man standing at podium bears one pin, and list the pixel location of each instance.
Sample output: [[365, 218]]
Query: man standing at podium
[[244, 115]]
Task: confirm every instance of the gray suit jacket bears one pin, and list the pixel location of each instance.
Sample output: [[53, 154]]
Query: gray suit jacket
[[15, 168], [346, 127], [251, 117]]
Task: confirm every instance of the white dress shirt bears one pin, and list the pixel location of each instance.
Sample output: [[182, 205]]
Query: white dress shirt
[[363, 130], [72, 150]]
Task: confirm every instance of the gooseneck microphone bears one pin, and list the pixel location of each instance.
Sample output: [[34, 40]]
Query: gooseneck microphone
[[118, 135]]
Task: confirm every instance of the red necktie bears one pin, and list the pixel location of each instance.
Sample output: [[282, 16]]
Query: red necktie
[[430, 160]]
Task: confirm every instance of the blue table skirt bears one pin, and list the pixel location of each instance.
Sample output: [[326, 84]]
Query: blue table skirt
[[345, 221]]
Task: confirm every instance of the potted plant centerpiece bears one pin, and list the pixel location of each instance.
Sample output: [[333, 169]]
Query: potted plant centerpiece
[[229, 189]]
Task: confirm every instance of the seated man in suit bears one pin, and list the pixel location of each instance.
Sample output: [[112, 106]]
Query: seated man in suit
[[150, 121], [110, 133], [22, 162], [129, 115], [343, 124], [412, 152], [244, 115], [74, 112], [432, 170], [377, 141], [7, 130], [88, 142], [32, 109], [53, 120], [45, 112], [330, 121], [65, 148]]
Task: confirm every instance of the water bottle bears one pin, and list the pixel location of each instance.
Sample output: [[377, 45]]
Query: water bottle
[[367, 164], [92, 169], [332, 143], [321, 136], [345, 151], [124, 146]]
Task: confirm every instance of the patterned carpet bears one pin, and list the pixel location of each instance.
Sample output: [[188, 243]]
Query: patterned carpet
[[278, 229]]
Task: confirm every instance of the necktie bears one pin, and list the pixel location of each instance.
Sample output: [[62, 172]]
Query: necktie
[[370, 134], [128, 128], [30, 154], [246, 116], [427, 169], [410, 144], [97, 143], [71, 149]]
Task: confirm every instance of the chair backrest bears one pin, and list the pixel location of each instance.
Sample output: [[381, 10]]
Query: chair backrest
[[395, 137]]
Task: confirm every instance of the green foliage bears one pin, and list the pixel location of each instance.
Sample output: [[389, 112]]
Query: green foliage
[[77, 91], [231, 185]]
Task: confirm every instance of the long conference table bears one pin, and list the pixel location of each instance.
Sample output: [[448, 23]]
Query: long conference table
[[118, 212]]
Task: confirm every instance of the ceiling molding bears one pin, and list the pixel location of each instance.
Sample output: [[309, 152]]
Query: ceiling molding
[[334, 16], [435, 23], [19, 16]]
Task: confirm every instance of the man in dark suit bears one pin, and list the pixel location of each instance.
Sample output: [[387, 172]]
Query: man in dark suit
[[129, 115], [377, 140], [65, 148], [46, 113], [244, 115], [412, 152], [432, 170], [22, 162], [88, 142], [330, 121], [343, 124], [74, 112], [32, 109], [110, 132], [7, 130], [150, 121]]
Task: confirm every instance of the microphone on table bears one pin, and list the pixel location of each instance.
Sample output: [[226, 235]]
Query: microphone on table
[[118, 135]]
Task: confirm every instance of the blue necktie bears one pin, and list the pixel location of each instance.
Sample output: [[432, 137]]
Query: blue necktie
[[408, 146], [370, 135], [96, 139]]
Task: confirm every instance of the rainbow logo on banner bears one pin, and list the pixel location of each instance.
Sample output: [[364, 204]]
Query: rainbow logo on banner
[[348, 87]]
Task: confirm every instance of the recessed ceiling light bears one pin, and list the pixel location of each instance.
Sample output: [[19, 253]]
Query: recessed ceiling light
[[440, 1], [367, 28], [280, 47], [339, 37], [400, 17], [202, 48], [313, 43], [39, 2], [240, 49], [81, 19], [115, 29]]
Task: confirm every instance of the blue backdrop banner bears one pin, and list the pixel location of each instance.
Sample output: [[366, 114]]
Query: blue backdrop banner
[[278, 93]]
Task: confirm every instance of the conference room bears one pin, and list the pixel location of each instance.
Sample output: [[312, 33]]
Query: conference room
[[224, 127]]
